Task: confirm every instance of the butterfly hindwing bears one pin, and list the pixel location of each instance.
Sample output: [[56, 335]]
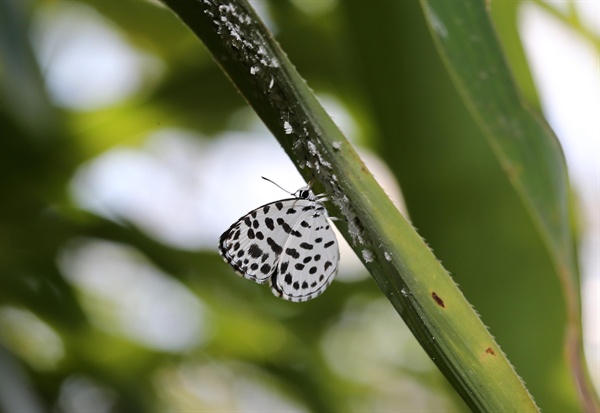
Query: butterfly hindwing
[[308, 265], [253, 245]]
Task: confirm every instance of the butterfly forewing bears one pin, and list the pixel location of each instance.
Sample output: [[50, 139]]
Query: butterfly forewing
[[288, 242], [253, 245]]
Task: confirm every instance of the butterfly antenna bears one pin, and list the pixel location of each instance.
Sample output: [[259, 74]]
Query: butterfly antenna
[[277, 185]]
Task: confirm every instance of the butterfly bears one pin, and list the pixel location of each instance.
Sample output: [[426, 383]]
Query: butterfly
[[289, 243]]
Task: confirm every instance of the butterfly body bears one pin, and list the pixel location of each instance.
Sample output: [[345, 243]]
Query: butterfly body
[[289, 243]]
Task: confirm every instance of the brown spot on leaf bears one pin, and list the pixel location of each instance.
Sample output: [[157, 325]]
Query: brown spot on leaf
[[490, 351], [438, 300]]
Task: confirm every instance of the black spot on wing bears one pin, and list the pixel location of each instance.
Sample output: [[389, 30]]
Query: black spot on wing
[[269, 223], [284, 225], [255, 251], [328, 244], [276, 248], [292, 252], [306, 246], [284, 266]]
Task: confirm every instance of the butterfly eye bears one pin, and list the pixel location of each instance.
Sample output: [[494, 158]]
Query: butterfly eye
[[303, 194]]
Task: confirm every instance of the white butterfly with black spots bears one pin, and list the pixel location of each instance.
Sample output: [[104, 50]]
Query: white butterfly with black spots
[[289, 243]]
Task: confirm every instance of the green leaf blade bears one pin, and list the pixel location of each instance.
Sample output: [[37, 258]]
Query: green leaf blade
[[524, 145]]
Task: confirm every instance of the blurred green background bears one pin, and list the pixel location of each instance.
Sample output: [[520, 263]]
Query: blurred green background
[[124, 154]]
